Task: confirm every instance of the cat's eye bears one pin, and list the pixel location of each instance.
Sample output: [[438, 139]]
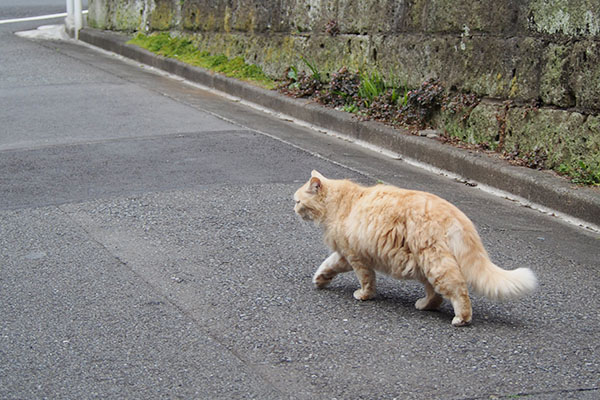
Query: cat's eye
[[297, 201]]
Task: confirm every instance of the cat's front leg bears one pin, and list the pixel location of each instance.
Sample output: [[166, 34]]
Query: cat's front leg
[[431, 301], [333, 265], [366, 277]]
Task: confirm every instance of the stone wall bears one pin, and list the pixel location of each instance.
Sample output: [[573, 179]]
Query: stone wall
[[545, 52]]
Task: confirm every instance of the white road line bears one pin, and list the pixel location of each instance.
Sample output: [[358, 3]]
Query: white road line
[[38, 18]]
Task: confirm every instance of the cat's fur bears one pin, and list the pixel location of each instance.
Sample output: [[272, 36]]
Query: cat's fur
[[406, 234]]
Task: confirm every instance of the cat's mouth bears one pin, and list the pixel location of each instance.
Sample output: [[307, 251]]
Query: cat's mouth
[[302, 213], [305, 217]]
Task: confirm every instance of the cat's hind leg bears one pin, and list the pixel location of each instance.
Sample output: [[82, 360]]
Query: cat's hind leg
[[333, 265], [443, 273], [431, 301]]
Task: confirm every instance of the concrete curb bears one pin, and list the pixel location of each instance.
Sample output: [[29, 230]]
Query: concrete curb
[[537, 187]]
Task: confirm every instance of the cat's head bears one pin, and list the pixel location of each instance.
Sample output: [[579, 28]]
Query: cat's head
[[309, 198]]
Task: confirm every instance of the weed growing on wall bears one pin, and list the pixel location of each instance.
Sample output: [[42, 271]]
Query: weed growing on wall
[[581, 172], [422, 103], [185, 50], [300, 83], [342, 90], [369, 95]]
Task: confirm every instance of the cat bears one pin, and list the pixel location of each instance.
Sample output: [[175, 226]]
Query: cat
[[406, 234]]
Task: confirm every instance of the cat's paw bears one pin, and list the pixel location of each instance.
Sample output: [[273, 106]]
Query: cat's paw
[[360, 294], [428, 303], [457, 321], [321, 280]]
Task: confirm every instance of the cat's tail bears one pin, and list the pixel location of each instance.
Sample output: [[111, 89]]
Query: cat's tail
[[495, 283], [486, 278]]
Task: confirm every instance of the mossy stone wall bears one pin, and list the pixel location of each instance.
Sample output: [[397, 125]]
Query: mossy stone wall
[[545, 52]]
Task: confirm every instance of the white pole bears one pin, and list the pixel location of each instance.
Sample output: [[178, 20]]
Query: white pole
[[69, 21], [78, 18]]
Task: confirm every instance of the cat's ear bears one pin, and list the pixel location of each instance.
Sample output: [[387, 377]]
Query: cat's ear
[[314, 185]]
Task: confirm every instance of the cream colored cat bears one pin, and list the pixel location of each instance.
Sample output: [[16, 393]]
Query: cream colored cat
[[406, 234]]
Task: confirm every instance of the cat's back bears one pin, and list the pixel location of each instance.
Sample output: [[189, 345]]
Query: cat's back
[[387, 196], [389, 203], [380, 205]]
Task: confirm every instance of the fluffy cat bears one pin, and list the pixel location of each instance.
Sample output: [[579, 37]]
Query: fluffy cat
[[406, 234]]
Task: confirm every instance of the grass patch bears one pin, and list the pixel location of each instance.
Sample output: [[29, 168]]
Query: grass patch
[[371, 87], [581, 172], [184, 50]]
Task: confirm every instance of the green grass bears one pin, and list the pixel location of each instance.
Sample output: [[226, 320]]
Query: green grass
[[581, 173], [184, 50], [314, 71], [371, 86]]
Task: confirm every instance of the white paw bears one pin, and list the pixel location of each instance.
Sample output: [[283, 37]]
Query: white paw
[[421, 304], [428, 304], [457, 321], [321, 280], [360, 294]]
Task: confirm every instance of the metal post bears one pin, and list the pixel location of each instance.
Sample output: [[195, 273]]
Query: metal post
[[78, 18], [69, 21]]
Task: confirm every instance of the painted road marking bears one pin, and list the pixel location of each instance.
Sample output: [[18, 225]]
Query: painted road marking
[[38, 18]]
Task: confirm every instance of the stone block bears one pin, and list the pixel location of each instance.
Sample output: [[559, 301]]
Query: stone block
[[97, 14], [559, 134], [205, 16], [162, 15], [584, 74], [572, 18], [120, 15], [467, 17], [491, 67], [365, 17], [565, 137], [555, 75]]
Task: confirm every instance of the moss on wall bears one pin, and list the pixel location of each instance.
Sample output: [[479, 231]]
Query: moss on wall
[[162, 16], [567, 17], [561, 140], [121, 15]]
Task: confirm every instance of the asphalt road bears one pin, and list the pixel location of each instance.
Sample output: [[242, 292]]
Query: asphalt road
[[148, 249]]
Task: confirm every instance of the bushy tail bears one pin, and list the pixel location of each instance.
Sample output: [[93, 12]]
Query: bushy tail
[[485, 277], [495, 283]]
